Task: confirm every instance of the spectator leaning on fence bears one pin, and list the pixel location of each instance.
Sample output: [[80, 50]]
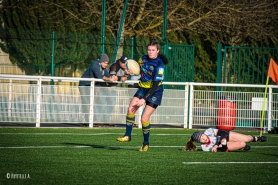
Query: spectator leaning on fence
[[119, 70], [120, 73], [215, 140], [98, 69]]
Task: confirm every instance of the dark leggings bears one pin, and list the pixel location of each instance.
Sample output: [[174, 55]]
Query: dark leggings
[[223, 135]]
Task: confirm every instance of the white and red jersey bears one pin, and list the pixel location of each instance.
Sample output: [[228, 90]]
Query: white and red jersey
[[213, 139]]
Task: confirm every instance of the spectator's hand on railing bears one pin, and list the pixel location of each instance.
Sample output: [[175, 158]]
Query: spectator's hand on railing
[[124, 78], [113, 78]]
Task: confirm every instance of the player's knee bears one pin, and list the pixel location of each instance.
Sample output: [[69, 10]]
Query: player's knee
[[129, 110], [146, 125], [143, 119], [242, 144]]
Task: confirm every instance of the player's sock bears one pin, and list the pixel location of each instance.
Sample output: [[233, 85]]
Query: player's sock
[[130, 119], [246, 148], [255, 138], [259, 138], [146, 131], [262, 138]]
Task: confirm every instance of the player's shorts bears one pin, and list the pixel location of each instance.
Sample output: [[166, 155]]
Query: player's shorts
[[153, 100], [224, 134]]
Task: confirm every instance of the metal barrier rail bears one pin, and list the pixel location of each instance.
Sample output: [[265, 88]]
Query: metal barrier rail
[[38, 103]]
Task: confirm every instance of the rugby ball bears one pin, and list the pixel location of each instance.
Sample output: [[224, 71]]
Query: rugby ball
[[133, 66]]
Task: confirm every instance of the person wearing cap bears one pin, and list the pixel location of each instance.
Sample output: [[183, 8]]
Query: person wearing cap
[[118, 69], [98, 69], [215, 140]]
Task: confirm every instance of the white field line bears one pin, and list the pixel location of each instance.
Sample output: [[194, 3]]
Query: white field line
[[62, 133], [95, 146], [229, 162], [96, 134]]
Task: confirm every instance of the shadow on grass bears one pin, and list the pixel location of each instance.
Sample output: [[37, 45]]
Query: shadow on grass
[[274, 155], [79, 145]]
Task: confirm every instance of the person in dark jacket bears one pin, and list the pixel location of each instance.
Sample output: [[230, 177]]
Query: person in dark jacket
[[98, 69], [119, 70]]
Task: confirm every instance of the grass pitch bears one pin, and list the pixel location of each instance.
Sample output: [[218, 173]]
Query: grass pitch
[[93, 156]]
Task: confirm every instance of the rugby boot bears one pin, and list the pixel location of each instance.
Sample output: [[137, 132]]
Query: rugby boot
[[124, 138], [144, 148]]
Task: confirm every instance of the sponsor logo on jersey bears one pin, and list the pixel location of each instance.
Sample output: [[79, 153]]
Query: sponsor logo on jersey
[[149, 73], [154, 98], [158, 78], [160, 71]]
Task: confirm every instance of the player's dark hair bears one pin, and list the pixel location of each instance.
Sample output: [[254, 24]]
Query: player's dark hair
[[163, 58], [153, 42], [190, 146]]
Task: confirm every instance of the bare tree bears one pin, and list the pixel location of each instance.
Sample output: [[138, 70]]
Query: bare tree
[[230, 22]]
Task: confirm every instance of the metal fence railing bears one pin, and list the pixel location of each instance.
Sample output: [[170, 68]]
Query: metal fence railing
[[37, 102]]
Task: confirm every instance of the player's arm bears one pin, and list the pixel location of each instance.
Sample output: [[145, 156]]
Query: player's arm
[[96, 70], [214, 148], [151, 91], [108, 77], [156, 81], [213, 132]]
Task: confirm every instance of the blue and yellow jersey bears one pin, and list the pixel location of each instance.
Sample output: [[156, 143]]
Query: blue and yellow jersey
[[152, 70]]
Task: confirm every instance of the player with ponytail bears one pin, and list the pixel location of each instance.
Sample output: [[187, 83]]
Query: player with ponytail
[[215, 140], [149, 92]]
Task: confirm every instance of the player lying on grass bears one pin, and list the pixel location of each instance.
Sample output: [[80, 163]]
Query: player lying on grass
[[215, 140]]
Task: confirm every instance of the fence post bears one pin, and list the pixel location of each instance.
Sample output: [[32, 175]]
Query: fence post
[[185, 120], [269, 118], [190, 105], [92, 99], [38, 105], [10, 97]]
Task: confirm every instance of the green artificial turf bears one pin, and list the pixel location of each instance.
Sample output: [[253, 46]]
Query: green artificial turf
[[93, 156]]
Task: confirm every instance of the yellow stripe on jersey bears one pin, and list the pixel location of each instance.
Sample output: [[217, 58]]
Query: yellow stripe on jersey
[[140, 62], [147, 84]]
